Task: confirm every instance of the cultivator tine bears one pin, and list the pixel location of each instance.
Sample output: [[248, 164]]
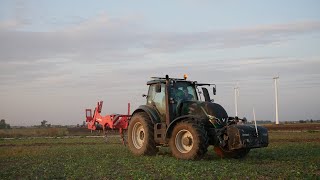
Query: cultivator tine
[[105, 135], [122, 137]]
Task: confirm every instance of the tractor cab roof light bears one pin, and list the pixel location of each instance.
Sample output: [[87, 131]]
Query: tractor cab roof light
[[185, 76]]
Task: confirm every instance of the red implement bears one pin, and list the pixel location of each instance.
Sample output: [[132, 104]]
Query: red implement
[[113, 121]]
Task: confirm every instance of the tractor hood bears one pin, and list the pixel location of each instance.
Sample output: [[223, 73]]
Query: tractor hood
[[198, 108]]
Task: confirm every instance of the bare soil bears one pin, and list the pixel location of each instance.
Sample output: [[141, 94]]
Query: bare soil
[[293, 127]]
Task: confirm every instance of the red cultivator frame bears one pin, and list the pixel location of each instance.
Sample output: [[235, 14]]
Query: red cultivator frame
[[113, 121]]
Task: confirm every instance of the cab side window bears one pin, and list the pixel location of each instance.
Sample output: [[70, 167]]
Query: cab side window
[[157, 99]]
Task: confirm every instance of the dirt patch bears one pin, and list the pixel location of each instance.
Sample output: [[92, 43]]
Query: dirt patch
[[294, 140], [293, 127]]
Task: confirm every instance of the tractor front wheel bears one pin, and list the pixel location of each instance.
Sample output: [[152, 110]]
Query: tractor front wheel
[[189, 140], [141, 135]]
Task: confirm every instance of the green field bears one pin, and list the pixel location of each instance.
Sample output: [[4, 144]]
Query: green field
[[290, 155]]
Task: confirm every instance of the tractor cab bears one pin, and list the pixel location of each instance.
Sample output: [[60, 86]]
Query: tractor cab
[[168, 95], [165, 95]]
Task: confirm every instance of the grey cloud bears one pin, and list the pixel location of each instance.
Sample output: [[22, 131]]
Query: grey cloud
[[255, 72], [217, 39], [19, 16], [20, 73], [109, 39]]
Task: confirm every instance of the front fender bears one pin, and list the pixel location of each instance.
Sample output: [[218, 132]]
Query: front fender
[[177, 120]]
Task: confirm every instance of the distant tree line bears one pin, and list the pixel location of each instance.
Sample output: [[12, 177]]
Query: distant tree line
[[4, 125], [44, 124], [286, 122], [309, 121]]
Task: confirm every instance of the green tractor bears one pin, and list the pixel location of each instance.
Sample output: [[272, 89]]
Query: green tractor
[[175, 115]]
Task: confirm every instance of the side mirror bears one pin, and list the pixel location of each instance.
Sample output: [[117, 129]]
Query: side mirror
[[214, 91], [158, 88], [206, 94], [244, 120]]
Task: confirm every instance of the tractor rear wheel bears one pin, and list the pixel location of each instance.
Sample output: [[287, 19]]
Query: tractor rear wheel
[[189, 140], [141, 135]]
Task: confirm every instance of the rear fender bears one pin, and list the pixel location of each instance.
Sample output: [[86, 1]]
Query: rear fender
[[152, 113]]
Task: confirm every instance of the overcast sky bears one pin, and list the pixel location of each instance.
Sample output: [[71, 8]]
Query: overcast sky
[[59, 57]]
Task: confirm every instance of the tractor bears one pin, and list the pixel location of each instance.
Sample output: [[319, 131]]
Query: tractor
[[179, 113]]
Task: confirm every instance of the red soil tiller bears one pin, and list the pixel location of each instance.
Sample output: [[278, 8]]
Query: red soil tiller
[[114, 121]]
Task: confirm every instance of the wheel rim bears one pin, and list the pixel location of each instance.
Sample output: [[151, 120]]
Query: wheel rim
[[184, 141], [138, 135]]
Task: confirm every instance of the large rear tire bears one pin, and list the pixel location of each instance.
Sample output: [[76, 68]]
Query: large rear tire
[[141, 135], [189, 140]]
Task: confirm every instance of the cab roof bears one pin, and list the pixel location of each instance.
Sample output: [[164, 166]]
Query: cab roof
[[156, 80]]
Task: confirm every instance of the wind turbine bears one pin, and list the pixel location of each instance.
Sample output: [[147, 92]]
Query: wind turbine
[[236, 95], [276, 96], [254, 119]]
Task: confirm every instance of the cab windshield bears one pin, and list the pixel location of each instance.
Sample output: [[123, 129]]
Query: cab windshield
[[184, 91]]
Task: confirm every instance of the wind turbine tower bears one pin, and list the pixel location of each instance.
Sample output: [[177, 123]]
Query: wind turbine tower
[[276, 96], [236, 95]]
